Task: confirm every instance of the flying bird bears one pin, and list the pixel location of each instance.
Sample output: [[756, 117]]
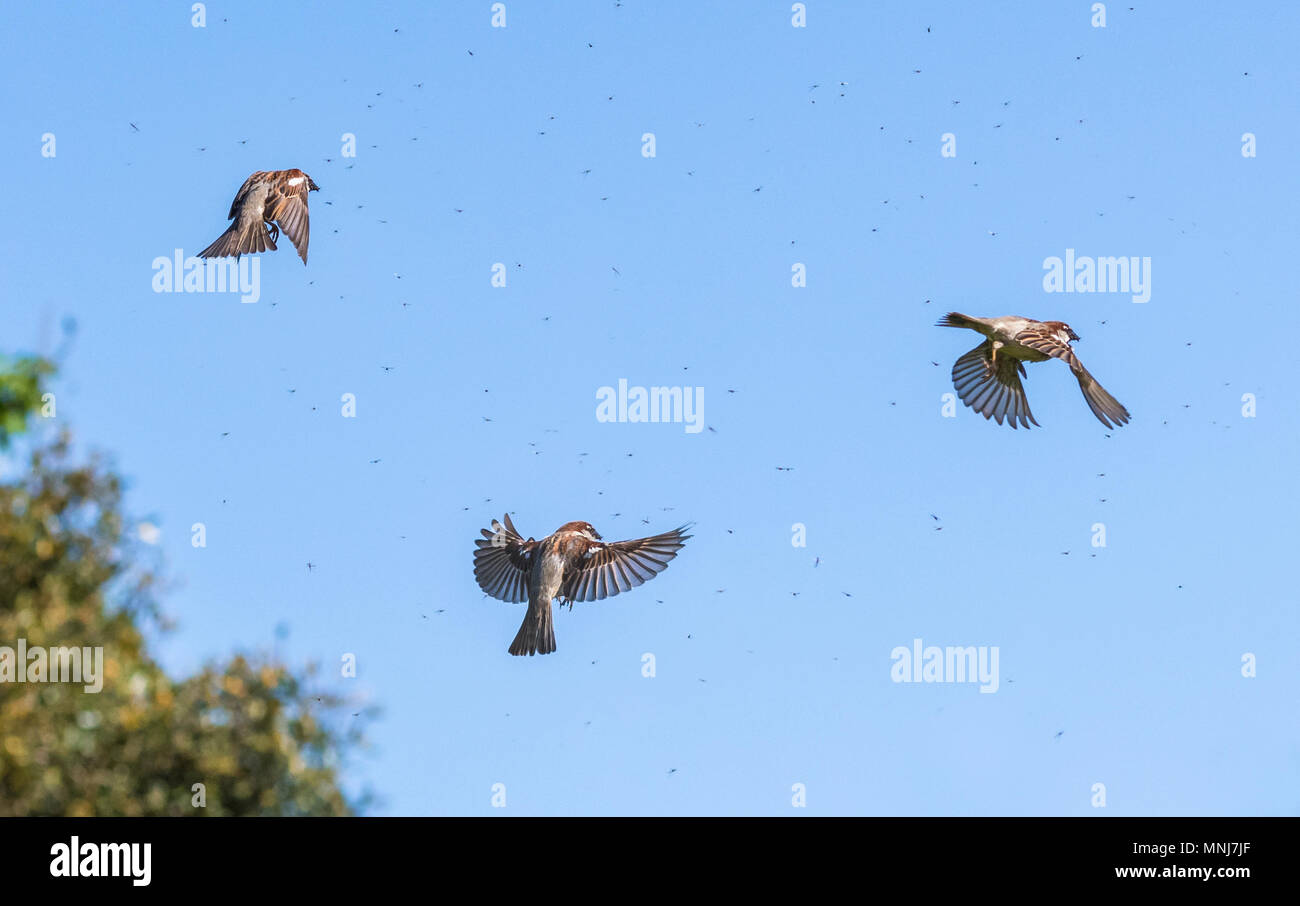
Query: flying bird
[[988, 377], [573, 564], [269, 201]]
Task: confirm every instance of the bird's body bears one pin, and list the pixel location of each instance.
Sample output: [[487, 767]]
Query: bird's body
[[251, 211], [573, 564], [269, 201], [555, 556], [988, 377]]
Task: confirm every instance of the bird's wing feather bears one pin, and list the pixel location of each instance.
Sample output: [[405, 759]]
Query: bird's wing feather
[[1046, 342], [503, 561], [287, 206], [616, 567], [995, 393], [1103, 405]]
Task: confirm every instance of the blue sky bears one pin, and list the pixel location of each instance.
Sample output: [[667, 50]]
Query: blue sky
[[772, 661]]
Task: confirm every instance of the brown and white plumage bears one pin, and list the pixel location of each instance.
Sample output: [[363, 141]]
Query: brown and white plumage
[[988, 377], [573, 564], [277, 198]]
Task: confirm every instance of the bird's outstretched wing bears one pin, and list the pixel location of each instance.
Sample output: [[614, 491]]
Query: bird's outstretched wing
[[502, 562], [621, 565], [992, 392], [1103, 405], [286, 204]]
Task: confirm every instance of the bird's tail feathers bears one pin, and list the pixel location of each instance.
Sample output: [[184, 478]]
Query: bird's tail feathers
[[537, 634], [233, 242], [957, 319]]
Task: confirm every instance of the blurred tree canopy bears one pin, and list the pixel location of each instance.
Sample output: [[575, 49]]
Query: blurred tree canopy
[[250, 730], [20, 394]]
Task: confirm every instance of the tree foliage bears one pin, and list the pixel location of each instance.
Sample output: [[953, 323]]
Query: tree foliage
[[20, 394], [249, 729]]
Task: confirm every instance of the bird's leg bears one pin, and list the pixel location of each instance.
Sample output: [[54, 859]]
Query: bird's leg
[[275, 230], [993, 355]]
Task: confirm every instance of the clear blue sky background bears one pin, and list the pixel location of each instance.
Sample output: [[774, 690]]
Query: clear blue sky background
[[768, 674]]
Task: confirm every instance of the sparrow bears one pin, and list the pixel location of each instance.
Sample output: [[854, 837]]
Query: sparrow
[[573, 564], [988, 377], [267, 202]]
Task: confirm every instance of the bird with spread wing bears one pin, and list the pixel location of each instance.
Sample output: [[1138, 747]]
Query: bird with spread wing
[[573, 564], [988, 377], [269, 201]]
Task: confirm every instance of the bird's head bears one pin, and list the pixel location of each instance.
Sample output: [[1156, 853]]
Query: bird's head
[[1060, 328], [581, 528]]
